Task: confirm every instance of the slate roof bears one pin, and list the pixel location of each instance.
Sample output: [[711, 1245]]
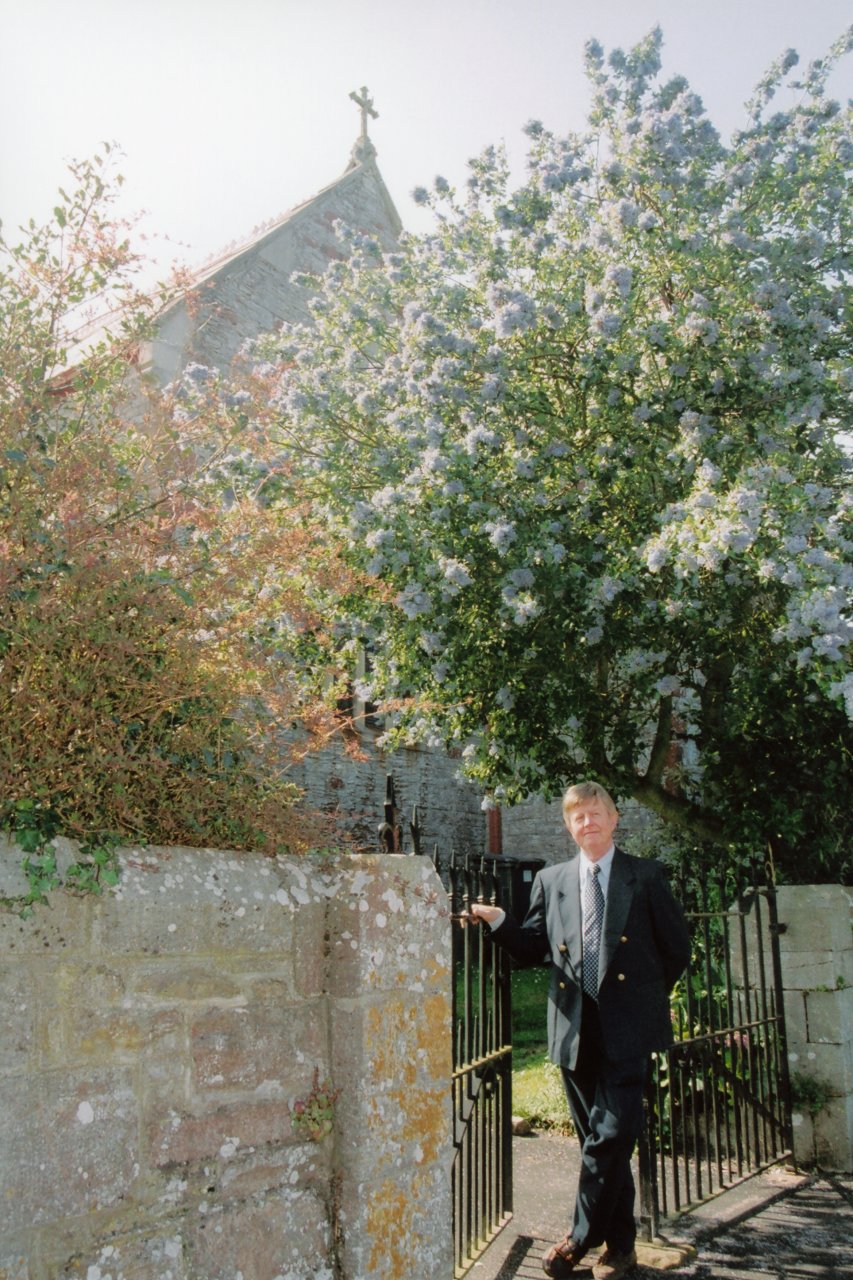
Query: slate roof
[[246, 289]]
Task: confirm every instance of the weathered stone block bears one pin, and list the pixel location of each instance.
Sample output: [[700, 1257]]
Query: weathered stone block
[[137, 1257], [14, 1264], [192, 983], [273, 985], [62, 929], [817, 919], [811, 956], [191, 901], [17, 1000], [116, 1035], [69, 1142], [392, 1222], [402, 1121], [288, 1236], [220, 980], [804, 1143], [397, 1043], [18, 1140], [833, 1136], [795, 1015], [163, 1071], [270, 1046], [807, 970], [310, 961], [829, 1016], [256, 1169], [831, 1064], [389, 931], [184, 1138], [70, 988]]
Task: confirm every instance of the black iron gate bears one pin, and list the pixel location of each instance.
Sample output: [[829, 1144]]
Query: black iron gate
[[718, 1104], [482, 1066]]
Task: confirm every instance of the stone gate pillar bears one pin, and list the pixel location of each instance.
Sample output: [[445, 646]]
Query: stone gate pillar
[[816, 948]]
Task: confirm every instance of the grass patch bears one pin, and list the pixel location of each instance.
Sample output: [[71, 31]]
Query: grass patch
[[537, 1085], [537, 1094], [529, 1002]]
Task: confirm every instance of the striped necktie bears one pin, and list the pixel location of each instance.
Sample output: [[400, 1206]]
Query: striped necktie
[[593, 916]]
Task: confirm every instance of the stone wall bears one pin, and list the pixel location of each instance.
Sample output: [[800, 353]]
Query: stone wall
[[817, 974], [351, 788], [157, 1041]]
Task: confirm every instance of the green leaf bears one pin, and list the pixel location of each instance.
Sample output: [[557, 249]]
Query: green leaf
[[30, 839]]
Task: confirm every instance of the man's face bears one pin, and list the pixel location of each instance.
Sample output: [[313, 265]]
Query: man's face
[[591, 825]]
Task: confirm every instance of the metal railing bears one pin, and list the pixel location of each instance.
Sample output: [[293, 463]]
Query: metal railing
[[482, 1068], [718, 1102]]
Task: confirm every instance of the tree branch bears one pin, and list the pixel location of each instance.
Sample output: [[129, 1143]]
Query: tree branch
[[670, 806], [678, 811], [661, 744]]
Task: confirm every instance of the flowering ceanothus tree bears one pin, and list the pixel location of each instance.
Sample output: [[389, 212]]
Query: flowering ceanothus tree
[[586, 439]]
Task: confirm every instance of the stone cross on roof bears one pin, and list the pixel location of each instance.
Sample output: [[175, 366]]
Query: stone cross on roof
[[364, 148], [365, 102]]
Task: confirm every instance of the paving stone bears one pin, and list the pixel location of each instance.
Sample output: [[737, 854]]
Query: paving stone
[[776, 1226]]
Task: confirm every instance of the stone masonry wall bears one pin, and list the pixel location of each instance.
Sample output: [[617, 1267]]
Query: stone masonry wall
[[449, 809], [353, 791], [156, 1041], [817, 975]]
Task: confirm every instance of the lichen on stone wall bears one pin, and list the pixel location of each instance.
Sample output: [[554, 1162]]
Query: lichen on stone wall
[[159, 1039]]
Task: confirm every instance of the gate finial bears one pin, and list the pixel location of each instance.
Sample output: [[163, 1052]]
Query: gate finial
[[415, 829], [389, 831]]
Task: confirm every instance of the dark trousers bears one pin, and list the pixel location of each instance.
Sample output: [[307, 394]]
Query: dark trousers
[[606, 1102]]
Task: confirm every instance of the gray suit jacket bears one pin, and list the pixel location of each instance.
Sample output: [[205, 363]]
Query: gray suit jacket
[[645, 946]]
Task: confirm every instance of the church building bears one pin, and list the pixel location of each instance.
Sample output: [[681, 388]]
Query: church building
[[247, 291]]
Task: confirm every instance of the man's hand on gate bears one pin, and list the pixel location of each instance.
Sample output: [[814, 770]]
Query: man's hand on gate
[[480, 913]]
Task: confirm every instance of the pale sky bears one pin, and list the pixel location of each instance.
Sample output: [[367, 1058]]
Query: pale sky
[[229, 112]]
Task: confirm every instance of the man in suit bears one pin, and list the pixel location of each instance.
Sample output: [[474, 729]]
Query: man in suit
[[617, 941]]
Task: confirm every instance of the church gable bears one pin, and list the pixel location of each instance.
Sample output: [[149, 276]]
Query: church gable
[[249, 291]]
